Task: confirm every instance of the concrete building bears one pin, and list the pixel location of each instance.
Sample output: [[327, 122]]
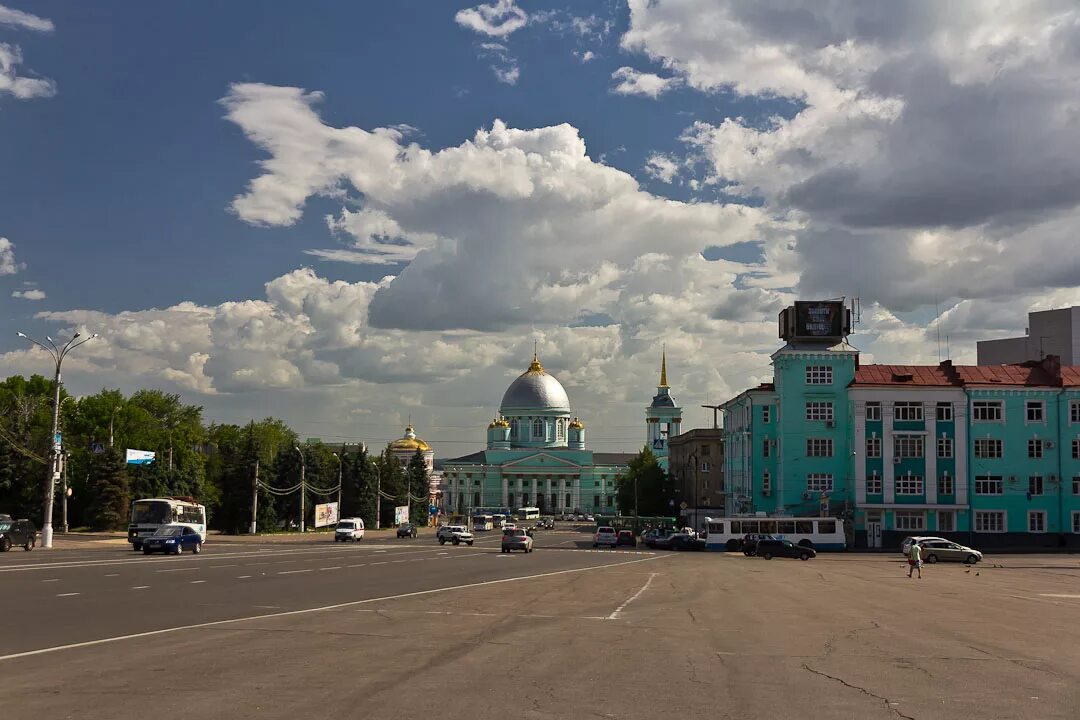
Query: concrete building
[[1049, 332], [696, 464]]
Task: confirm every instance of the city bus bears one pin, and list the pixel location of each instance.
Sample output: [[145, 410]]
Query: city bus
[[483, 522], [149, 514], [498, 520], [814, 532], [528, 513]]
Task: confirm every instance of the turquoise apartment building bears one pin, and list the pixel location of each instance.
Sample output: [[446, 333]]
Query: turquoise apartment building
[[985, 455]]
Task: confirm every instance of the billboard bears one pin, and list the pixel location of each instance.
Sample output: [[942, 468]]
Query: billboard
[[815, 320], [401, 514], [326, 514], [139, 457]]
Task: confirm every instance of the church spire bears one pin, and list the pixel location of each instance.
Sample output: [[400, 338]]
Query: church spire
[[536, 367], [663, 369]]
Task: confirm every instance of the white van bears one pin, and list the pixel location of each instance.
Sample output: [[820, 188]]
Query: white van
[[349, 529]]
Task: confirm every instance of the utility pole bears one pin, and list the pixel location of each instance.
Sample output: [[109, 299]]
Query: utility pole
[[303, 488], [255, 498], [378, 495], [64, 495], [339, 481], [111, 416], [52, 470]]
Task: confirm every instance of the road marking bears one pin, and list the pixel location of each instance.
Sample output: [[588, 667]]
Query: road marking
[[221, 566], [196, 582], [65, 594], [112, 575], [357, 565], [309, 611], [242, 577], [292, 572], [52, 580], [632, 598], [380, 563], [1060, 595], [140, 587], [335, 567], [379, 551], [177, 570]]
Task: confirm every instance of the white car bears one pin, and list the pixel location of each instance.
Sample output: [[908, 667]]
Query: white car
[[905, 546], [605, 536], [349, 530], [455, 534]]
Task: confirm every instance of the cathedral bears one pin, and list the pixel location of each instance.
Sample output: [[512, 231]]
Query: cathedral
[[536, 454]]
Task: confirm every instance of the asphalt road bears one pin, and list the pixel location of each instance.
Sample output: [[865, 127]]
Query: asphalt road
[[401, 629]]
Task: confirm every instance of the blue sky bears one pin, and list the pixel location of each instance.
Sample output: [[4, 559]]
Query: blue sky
[[737, 156]]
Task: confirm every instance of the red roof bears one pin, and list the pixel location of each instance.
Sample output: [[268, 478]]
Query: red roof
[[914, 375], [945, 374]]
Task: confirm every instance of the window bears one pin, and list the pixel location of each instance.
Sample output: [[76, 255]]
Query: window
[[944, 447], [559, 431], [987, 448], [909, 485], [818, 375], [569, 501], [476, 499], [873, 411], [538, 429], [873, 484], [1076, 449], [946, 485], [989, 521], [986, 411], [1076, 485], [908, 446], [1035, 484], [1074, 411], [909, 520], [988, 485], [1036, 521], [818, 447], [819, 482], [705, 450], [1035, 448], [765, 447], [873, 447], [705, 467], [946, 521], [611, 501], [596, 501], [819, 411], [944, 412], [907, 411], [554, 501], [766, 482], [766, 412], [514, 429], [510, 499], [1034, 411], [826, 527], [1076, 521]]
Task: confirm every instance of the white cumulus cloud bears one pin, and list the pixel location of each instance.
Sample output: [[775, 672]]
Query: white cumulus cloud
[[8, 265], [634, 82], [497, 19], [20, 19], [31, 294]]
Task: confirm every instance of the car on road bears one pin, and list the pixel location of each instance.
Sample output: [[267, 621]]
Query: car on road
[[516, 539], [656, 537], [17, 532], [546, 523], [406, 530], [933, 551], [684, 541], [349, 530], [173, 538], [769, 549], [455, 534], [605, 536], [905, 546], [626, 537], [509, 526], [750, 541]]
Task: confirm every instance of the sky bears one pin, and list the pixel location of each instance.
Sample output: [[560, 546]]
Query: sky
[[350, 215]]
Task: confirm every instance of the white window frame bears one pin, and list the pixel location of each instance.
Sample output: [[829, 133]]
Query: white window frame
[[1036, 482], [873, 411], [560, 432], [819, 375], [987, 411], [873, 446], [819, 482], [910, 485], [765, 444], [909, 446], [946, 484], [766, 414], [951, 514], [1076, 449], [819, 411], [819, 447], [945, 447], [766, 482], [988, 444], [705, 466], [912, 520], [1076, 521], [542, 435], [873, 484], [981, 516], [1039, 408], [1076, 485], [1041, 514], [944, 412], [989, 482], [1036, 448], [907, 411], [1074, 412]]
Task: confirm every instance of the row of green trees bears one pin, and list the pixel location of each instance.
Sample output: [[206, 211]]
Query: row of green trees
[[214, 463]]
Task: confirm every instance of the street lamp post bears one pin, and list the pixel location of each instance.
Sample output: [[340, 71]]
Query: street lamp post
[[378, 495], [303, 487], [338, 483], [52, 467]]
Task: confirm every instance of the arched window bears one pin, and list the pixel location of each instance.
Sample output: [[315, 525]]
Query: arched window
[[514, 429], [560, 431], [538, 429]]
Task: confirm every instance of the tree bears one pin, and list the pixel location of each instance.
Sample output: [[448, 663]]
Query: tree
[[393, 483], [418, 480], [109, 492], [652, 492]]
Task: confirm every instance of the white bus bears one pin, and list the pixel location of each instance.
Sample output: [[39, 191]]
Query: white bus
[[498, 520], [483, 522], [813, 532], [150, 514], [528, 513]]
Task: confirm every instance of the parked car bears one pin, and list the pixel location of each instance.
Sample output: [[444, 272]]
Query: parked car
[[173, 538], [516, 539], [656, 537], [17, 532], [590, 518], [546, 523], [455, 534], [626, 537], [406, 530], [905, 546], [685, 541], [750, 541], [605, 536], [946, 550], [349, 530], [771, 548]]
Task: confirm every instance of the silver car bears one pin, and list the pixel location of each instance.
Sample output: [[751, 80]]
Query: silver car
[[933, 551], [905, 546], [517, 539]]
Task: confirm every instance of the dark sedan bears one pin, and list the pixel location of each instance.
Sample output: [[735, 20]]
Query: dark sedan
[[175, 539], [406, 530], [17, 532]]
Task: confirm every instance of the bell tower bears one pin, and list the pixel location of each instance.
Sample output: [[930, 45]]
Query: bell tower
[[663, 418]]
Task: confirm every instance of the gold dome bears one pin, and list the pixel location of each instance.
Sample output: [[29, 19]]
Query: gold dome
[[498, 423], [410, 442], [576, 424]]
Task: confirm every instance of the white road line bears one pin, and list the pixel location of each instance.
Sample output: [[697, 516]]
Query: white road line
[[221, 566], [357, 565], [177, 570], [292, 572], [65, 594], [632, 598], [335, 567], [242, 577], [140, 587], [380, 563], [112, 575], [309, 611], [196, 582], [1060, 595], [52, 580]]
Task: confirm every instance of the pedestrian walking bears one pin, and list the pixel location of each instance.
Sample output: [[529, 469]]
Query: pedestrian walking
[[914, 559]]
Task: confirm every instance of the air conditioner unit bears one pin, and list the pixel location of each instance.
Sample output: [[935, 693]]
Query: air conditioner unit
[[808, 495], [830, 423], [1049, 445], [766, 492], [896, 461]]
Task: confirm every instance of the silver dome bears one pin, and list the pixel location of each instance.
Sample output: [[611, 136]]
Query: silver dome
[[535, 390]]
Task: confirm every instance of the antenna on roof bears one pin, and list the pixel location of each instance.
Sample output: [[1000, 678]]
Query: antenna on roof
[[948, 355], [937, 323]]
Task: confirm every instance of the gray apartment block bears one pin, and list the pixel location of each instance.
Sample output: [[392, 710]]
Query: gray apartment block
[[1049, 332]]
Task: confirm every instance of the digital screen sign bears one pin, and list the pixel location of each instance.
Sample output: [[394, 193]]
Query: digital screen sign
[[820, 319]]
